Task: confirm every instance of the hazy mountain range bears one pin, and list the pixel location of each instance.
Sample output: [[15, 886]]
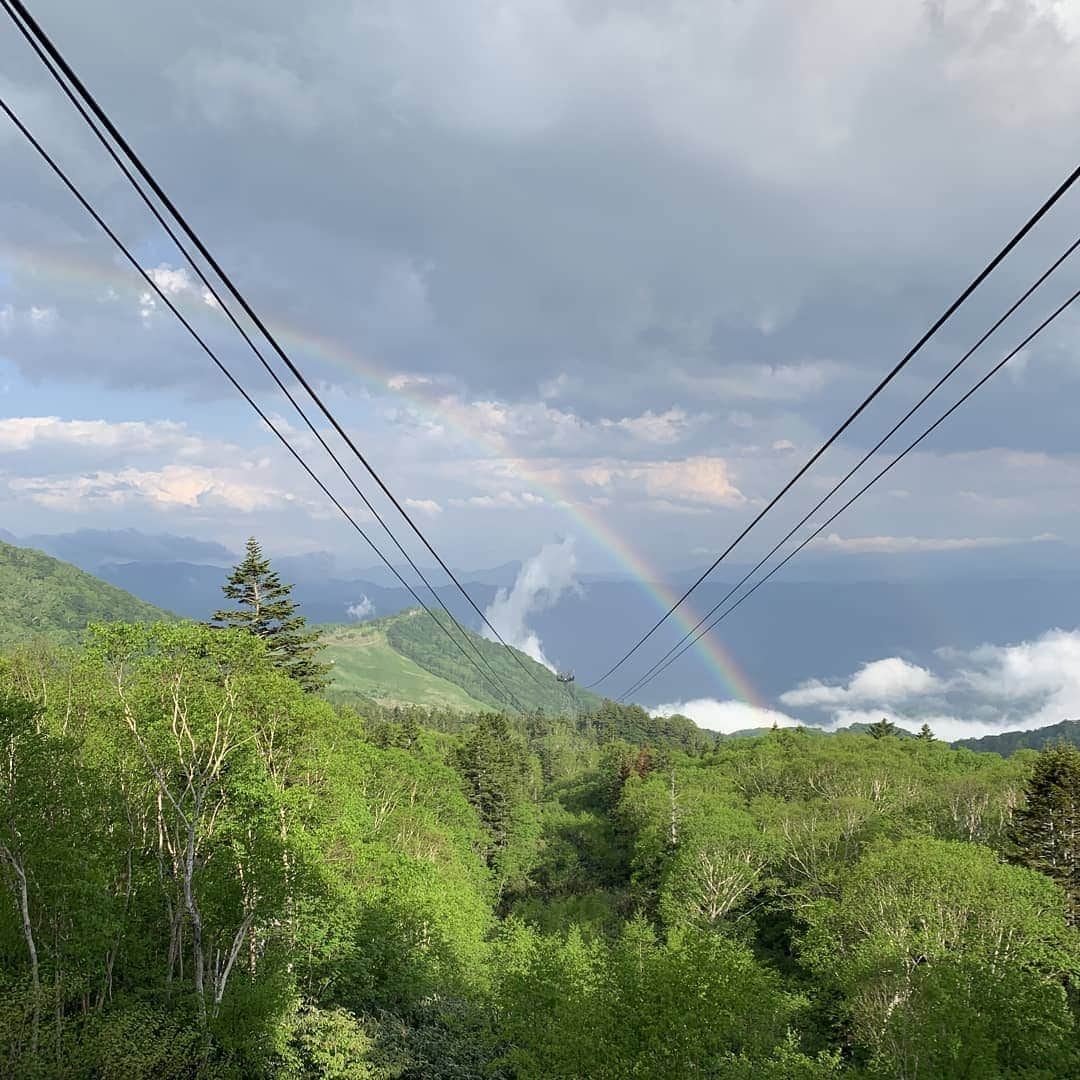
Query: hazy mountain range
[[929, 602]]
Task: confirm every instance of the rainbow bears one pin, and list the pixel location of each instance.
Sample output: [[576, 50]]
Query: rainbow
[[68, 268]]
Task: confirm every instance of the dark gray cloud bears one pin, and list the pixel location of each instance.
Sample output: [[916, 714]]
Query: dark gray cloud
[[576, 218]]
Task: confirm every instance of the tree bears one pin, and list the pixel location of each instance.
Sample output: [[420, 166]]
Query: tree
[[925, 733], [1046, 831], [267, 612], [882, 728]]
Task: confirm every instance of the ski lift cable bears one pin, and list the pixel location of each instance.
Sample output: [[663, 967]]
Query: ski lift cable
[[1020, 300], [220, 301], [888, 378], [13, 7], [866, 487], [153, 285]]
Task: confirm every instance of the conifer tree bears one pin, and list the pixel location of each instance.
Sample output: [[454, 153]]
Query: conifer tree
[[266, 611], [925, 733], [1046, 830], [882, 728]]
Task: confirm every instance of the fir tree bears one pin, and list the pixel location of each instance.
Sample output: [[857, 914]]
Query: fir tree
[[925, 733], [1046, 830], [882, 728], [266, 610]]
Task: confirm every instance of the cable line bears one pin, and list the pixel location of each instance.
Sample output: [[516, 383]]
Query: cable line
[[69, 184], [13, 6], [939, 322], [193, 263], [866, 487], [862, 461]]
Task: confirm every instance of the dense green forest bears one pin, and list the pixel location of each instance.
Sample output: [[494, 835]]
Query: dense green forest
[[42, 597], [208, 871]]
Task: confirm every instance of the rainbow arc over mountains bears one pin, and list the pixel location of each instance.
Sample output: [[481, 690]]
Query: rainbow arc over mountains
[[69, 269]]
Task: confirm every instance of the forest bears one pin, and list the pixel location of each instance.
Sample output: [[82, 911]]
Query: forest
[[209, 871]]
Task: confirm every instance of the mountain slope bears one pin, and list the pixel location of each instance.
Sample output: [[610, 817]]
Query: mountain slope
[[365, 663], [42, 597], [406, 658], [1010, 741]]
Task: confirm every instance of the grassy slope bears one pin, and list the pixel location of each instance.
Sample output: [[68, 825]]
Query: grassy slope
[[41, 597], [366, 664], [424, 653]]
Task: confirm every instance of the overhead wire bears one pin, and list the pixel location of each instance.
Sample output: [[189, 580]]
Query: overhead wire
[[888, 378], [14, 7], [221, 303], [866, 487], [223, 368], [1010, 311]]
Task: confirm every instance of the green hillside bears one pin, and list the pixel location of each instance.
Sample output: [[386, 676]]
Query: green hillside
[[1010, 741], [41, 597], [406, 658], [365, 663]]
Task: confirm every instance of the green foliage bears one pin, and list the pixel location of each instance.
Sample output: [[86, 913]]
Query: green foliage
[[881, 728], [413, 634], [266, 611], [45, 599], [1046, 829], [206, 871]]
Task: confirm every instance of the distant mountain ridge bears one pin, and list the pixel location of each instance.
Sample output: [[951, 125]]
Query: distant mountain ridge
[[44, 598], [1035, 739]]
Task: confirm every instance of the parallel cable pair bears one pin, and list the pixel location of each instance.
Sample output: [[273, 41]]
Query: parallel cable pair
[[934, 328], [866, 487], [153, 285], [663, 663], [51, 59]]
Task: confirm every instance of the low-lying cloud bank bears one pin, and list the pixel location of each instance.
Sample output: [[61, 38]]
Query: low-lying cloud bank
[[982, 691], [726, 716]]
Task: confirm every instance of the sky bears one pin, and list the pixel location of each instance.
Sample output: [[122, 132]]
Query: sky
[[565, 268]]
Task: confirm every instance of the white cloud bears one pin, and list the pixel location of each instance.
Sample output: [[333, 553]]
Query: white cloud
[[892, 680], [897, 545], [726, 716], [651, 427], [404, 380], [424, 506], [37, 318], [539, 584], [980, 691], [503, 500], [19, 433], [363, 608], [697, 479], [171, 487], [174, 282]]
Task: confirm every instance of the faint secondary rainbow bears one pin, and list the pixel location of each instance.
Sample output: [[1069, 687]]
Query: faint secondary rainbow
[[67, 268]]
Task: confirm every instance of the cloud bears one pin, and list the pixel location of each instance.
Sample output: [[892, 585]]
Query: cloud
[[897, 545], [980, 691], [887, 681], [19, 433], [360, 609], [651, 427], [424, 506], [726, 716], [765, 382], [539, 584], [501, 500], [171, 487]]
